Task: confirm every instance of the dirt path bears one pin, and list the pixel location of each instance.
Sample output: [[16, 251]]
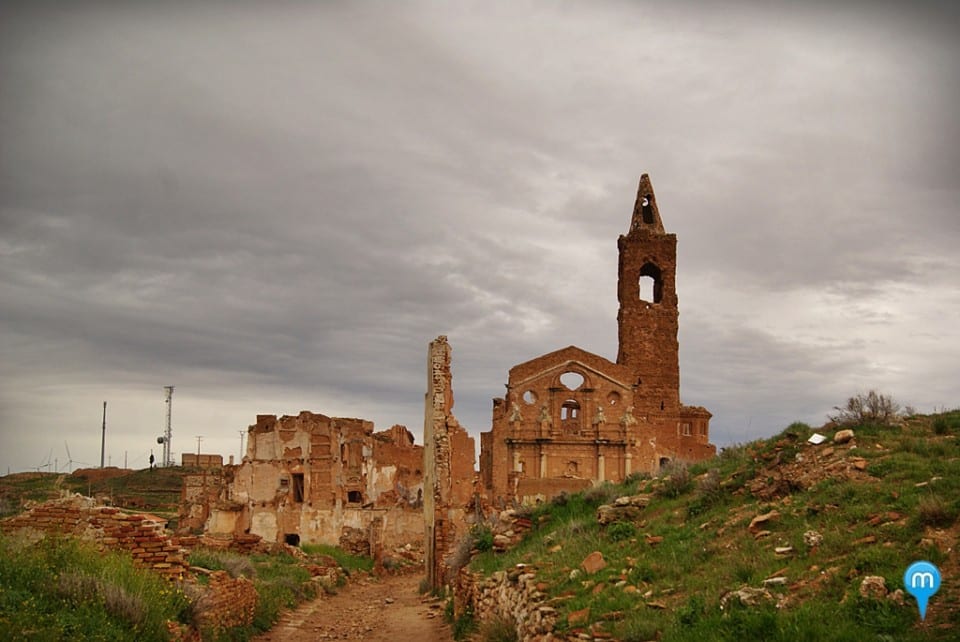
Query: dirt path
[[370, 609]]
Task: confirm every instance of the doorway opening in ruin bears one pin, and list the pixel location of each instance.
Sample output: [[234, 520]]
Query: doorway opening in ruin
[[292, 539], [651, 283], [664, 462], [298, 487], [354, 497]]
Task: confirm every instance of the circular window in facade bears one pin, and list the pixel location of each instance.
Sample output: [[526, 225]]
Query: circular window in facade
[[529, 397], [613, 398]]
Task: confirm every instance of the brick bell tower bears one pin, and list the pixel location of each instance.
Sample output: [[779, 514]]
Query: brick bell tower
[[649, 319]]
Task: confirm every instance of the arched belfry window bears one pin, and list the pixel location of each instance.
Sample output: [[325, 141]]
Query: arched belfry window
[[651, 283], [646, 208]]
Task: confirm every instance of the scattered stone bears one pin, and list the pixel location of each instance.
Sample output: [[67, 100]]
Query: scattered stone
[[760, 520], [761, 534], [859, 463], [579, 617], [775, 581], [630, 588], [843, 436], [747, 596], [827, 451], [897, 597], [660, 606], [575, 573], [812, 539], [593, 563], [607, 514], [653, 540], [873, 586], [555, 549], [869, 539], [783, 550]]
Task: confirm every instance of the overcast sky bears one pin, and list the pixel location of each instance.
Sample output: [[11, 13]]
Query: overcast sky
[[275, 207]]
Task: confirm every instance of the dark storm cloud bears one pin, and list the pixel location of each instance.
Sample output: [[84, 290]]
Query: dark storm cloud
[[277, 207]]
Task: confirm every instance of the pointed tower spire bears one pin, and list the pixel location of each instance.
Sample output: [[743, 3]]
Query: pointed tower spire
[[646, 215]]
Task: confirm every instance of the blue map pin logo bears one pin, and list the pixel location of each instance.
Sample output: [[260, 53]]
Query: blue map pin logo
[[922, 579]]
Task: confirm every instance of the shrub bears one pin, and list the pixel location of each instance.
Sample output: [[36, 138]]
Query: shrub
[[482, 537], [676, 482], [497, 629], [933, 511], [620, 531], [871, 408], [940, 426]]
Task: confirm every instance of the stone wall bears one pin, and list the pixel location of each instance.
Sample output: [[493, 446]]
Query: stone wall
[[508, 595], [143, 536]]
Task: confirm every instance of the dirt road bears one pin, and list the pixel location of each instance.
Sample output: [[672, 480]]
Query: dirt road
[[374, 610]]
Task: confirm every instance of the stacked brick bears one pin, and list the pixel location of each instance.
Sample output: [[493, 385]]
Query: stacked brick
[[228, 602], [143, 536]]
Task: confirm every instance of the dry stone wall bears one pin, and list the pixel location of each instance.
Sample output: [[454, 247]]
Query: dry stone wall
[[512, 596]]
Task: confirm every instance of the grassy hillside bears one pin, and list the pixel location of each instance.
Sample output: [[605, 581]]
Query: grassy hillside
[[156, 491], [837, 514]]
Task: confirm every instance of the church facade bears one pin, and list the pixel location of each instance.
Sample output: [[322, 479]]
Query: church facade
[[571, 418]]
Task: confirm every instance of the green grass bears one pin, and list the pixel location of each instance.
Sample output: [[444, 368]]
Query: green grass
[[706, 550], [64, 589], [348, 562], [280, 579]]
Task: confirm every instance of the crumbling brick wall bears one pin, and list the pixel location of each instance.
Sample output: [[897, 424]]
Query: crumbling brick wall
[[143, 536], [448, 460]]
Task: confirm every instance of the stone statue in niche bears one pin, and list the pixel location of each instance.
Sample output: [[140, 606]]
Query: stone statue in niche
[[546, 422], [628, 419], [515, 413], [600, 419]]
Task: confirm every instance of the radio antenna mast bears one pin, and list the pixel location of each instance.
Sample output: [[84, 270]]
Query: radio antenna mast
[[168, 432]]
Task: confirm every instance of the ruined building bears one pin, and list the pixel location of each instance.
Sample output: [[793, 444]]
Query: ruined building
[[570, 418], [313, 478], [448, 458]]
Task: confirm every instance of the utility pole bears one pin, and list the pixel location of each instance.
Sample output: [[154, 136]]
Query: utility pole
[[103, 434], [199, 439]]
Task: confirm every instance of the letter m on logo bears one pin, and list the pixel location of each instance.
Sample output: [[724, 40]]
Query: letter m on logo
[[920, 580]]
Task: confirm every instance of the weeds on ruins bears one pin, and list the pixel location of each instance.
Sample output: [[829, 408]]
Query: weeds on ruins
[[63, 588]]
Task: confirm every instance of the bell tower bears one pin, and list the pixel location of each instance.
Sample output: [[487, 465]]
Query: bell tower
[[649, 319]]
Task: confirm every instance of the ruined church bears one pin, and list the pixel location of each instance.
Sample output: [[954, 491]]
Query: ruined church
[[571, 418]]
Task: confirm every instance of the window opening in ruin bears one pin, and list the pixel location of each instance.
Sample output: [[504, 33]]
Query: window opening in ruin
[[292, 539], [661, 405], [613, 398], [647, 209], [685, 428], [529, 397], [572, 380], [651, 283], [664, 462], [284, 482], [569, 410], [298, 487], [354, 497]]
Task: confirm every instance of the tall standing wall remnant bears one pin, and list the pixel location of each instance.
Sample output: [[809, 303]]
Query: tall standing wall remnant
[[448, 459]]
